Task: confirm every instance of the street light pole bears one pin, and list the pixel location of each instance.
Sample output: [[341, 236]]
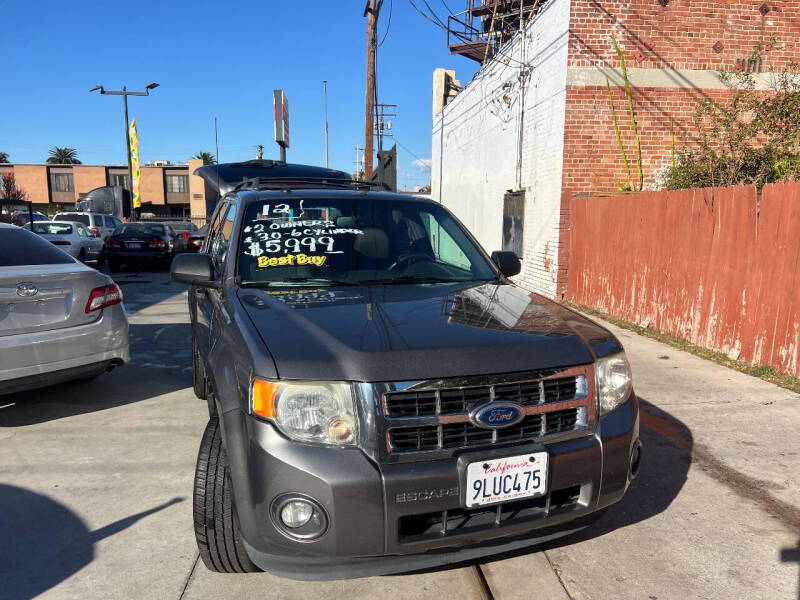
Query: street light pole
[[125, 93], [325, 94]]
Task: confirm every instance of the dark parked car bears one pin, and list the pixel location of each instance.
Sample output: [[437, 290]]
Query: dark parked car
[[21, 217], [184, 232], [382, 398], [195, 242], [140, 243]]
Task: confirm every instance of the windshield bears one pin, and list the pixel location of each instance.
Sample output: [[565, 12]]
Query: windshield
[[52, 228], [183, 226], [140, 228], [350, 240]]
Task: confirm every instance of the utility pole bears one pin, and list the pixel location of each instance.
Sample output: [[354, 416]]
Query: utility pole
[[325, 95], [371, 11]]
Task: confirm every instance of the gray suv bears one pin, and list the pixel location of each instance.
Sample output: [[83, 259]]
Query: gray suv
[[382, 398]]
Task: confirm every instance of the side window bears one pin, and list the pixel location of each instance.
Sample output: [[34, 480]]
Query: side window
[[81, 231], [213, 225], [445, 249], [222, 240]]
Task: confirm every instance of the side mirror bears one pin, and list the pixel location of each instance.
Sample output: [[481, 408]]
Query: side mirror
[[507, 262], [193, 269]]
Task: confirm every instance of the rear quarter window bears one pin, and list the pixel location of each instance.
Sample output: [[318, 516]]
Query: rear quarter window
[[19, 247], [73, 217]]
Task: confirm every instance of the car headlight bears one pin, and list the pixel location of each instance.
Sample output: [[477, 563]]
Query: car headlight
[[614, 381], [314, 412]]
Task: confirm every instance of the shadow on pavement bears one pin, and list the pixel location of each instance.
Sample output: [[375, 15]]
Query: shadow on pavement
[[161, 362], [43, 542]]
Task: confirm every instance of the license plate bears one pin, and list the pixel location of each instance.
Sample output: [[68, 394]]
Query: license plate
[[504, 479], [133, 245]]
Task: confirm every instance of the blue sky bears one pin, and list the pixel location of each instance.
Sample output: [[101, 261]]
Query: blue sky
[[212, 59]]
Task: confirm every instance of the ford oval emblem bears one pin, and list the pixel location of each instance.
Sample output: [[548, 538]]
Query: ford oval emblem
[[497, 414], [26, 290]]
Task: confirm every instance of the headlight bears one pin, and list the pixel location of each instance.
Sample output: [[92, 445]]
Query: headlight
[[315, 412], [613, 375]]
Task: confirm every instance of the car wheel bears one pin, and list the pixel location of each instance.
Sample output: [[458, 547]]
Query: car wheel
[[82, 255], [216, 526], [198, 373]]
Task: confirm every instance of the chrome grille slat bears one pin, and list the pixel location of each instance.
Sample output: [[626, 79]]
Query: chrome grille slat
[[436, 419]]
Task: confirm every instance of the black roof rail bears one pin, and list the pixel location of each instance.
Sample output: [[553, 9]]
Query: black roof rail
[[283, 183]]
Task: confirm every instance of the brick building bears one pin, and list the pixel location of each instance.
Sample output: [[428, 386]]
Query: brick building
[[534, 124], [166, 190]]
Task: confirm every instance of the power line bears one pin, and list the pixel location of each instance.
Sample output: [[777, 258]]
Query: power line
[[388, 24]]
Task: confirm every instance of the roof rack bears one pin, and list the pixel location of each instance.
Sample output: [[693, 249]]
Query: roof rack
[[284, 183]]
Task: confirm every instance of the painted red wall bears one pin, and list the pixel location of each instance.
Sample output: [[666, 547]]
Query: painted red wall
[[712, 266]]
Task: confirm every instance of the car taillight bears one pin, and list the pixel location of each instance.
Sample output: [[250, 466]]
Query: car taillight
[[158, 244], [186, 235], [61, 243], [103, 296], [193, 244], [113, 244], [95, 231]]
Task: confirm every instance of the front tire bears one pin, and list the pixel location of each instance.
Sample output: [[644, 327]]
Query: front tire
[[216, 526]]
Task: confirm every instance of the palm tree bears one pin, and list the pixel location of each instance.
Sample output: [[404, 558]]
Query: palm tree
[[206, 157], [63, 156], [4, 158]]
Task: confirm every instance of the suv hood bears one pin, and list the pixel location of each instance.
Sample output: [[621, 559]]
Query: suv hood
[[411, 332]]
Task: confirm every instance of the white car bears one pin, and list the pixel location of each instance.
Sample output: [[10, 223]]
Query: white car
[[72, 237], [59, 319], [102, 225]]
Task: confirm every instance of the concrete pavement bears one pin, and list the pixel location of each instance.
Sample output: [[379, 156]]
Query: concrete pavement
[[95, 484]]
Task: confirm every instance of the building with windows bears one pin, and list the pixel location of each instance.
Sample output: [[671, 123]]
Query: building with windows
[[166, 190]]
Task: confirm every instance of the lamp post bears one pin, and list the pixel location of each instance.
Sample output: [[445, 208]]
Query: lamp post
[[124, 92]]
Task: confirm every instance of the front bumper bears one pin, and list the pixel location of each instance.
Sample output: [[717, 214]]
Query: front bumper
[[387, 518]]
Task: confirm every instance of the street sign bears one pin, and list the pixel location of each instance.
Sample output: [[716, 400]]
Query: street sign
[[280, 113]]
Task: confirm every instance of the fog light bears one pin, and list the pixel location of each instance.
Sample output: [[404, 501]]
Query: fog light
[[296, 513], [299, 517]]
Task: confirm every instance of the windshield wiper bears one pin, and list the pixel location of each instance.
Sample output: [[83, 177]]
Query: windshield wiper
[[314, 280], [413, 279]]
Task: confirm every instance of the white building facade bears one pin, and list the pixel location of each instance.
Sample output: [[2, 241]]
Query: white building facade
[[504, 132]]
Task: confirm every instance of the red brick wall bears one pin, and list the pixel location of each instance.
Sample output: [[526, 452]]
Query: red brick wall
[[592, 159], [682, 34]]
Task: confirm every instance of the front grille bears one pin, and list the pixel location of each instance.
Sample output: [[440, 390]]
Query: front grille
[[416, 528], [428, 416], [465, 434], [455, 401]]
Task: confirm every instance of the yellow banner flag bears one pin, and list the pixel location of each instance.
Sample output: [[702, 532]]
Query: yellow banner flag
[[135, 172]]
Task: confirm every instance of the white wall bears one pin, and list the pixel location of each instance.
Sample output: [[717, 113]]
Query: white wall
[[475, 152]]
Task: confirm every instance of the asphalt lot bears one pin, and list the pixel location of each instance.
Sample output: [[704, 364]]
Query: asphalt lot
[[95, 484]]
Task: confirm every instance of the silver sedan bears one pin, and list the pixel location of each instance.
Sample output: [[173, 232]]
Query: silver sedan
[[59, 319], [72, 237]]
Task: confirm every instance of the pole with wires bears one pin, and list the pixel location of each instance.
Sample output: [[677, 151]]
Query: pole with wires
[[371, 11]]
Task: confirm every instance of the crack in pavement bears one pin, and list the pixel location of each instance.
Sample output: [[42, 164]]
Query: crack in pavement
[[483, 583], [557, 573], [189, 576]]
